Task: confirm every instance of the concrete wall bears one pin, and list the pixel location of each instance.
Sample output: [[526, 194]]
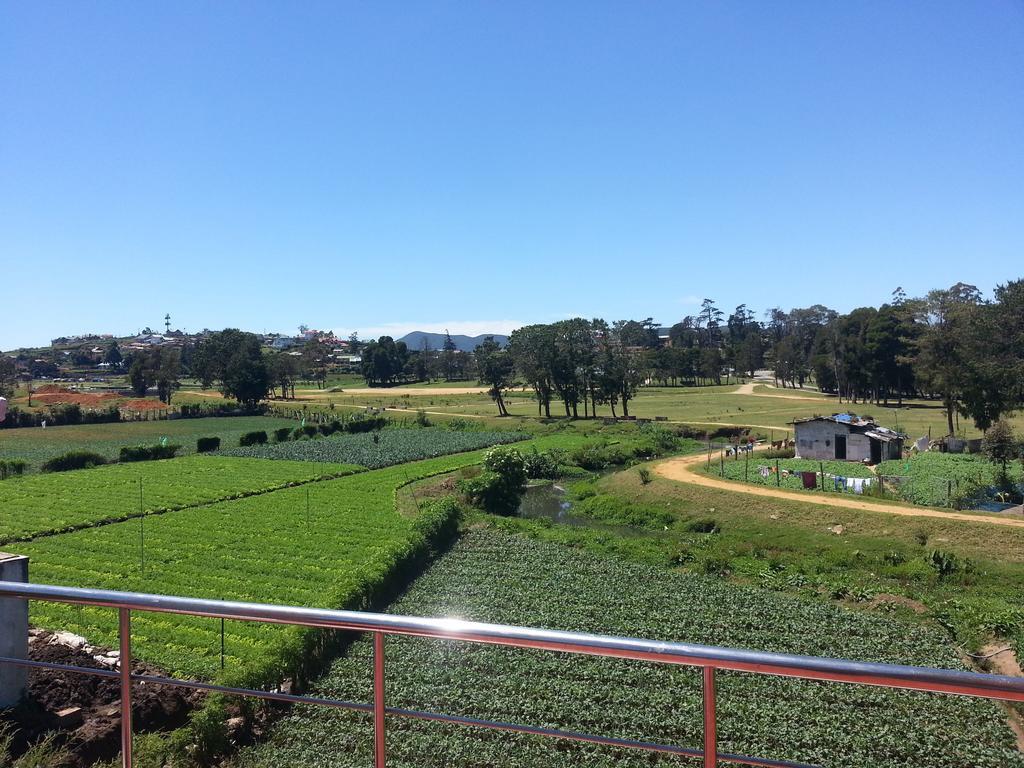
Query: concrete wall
[[13, 631]]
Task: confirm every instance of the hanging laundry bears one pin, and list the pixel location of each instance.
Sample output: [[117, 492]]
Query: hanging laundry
[[764, 471], [840, 483], [810, 479], [858, 485]]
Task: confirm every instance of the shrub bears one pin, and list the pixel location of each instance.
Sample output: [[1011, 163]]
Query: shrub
[[281, 435], [258, 437], [645, 475], [499, 488], [597, 456], [207, 444], [421, 419], [365, 424], [73, 460], [148, 452], [307, 430], [12, 467], [780, 453], [507, 462], [540, 466]]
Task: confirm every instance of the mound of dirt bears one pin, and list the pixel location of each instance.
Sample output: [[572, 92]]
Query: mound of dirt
[[144, 405], [93, 731]]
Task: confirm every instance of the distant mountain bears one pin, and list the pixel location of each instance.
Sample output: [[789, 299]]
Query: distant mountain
[[415, 339]]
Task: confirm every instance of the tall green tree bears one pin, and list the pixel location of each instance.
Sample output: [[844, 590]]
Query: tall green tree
[[532, 348], [234, 361], [495, 369], [942, 359]]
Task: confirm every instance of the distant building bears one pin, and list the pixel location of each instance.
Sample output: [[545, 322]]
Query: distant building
[[283, 342], [848, 437]]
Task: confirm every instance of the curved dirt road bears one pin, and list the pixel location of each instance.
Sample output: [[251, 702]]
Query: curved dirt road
[[683, 469], [748, 389]]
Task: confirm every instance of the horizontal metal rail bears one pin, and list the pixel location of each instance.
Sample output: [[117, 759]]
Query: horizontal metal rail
[[708, 658]]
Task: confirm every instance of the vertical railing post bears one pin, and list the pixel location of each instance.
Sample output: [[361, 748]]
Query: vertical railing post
[[710, 730], [125, 636], [379, 749]]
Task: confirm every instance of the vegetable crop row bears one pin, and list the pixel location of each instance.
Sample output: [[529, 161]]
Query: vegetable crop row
[[491, 576], [46, 504], [379, 449]]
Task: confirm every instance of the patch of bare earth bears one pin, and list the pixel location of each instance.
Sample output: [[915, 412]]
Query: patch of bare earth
[[85, 710]]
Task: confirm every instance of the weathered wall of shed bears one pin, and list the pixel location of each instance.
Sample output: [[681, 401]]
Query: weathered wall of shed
[[817, 440]]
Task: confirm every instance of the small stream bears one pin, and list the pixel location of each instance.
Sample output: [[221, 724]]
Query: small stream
[[549, 501]]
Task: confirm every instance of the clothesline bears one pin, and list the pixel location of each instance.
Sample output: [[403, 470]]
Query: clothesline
[[810, 479]]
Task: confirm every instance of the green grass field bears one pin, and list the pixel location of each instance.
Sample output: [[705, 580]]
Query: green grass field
[[36, 445], [769, 409], [50, 503], [490, 576]]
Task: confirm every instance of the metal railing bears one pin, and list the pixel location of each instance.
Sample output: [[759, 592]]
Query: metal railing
[[709, 658]]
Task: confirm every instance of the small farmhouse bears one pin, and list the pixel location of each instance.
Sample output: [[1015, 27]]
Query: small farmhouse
[[846, 436]]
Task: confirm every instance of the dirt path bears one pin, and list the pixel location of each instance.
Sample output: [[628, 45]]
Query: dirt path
[[748, 389], [684, 470]]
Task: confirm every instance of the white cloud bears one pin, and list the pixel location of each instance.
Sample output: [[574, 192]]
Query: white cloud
[[454, 327], [690, 300]]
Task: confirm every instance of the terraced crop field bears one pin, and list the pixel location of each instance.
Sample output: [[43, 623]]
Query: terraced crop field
[[493, 576], [46, 504], [379, 449], [36, 445], [264, 548]]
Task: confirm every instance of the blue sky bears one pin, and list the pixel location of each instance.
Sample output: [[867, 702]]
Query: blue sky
[[477, 165]]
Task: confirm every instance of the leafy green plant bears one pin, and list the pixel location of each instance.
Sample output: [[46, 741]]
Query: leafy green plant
[[944, 563], [645, 475], [282, 434]]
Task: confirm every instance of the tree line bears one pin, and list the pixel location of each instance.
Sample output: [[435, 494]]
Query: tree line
[[952, 345]]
